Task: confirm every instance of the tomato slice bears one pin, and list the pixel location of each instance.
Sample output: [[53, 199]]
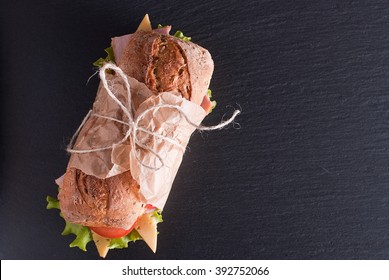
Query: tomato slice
[[117, 232], [149, 207]]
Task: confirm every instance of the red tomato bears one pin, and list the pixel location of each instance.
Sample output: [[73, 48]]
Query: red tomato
[[117, 232], [149, 207], [111, 232]]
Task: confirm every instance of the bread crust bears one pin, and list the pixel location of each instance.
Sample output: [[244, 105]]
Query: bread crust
[[166, 63], [91, 201]]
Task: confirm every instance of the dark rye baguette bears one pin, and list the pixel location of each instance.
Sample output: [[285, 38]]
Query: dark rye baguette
[[163, 63], [90, 201], [166, 63]]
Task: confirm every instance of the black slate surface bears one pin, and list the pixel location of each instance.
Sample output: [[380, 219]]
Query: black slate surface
[[305, 177]]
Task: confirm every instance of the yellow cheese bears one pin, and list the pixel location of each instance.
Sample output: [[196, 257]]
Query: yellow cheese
[[146, 226], [101, 244], [145, 24]]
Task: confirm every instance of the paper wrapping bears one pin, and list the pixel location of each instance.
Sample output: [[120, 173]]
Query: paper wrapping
[[98, 132]]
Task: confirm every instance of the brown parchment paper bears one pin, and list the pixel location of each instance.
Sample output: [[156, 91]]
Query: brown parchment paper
[[98, 132]]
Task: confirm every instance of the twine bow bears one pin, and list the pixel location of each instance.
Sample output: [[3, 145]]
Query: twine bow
[[133, 123]]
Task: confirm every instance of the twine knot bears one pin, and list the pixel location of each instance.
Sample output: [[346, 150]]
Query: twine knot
[[133, 123]]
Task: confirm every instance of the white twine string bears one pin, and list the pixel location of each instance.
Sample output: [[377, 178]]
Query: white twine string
[[133, 124]]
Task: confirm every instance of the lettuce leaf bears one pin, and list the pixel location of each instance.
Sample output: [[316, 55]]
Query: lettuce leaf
[[110, 57], [178, 34], [82, 233], [157, 215], [52, 203], [122, 242], [84, 236], [213, 102], [181, 36]]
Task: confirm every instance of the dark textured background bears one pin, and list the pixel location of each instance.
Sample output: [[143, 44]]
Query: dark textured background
[[306, 176]]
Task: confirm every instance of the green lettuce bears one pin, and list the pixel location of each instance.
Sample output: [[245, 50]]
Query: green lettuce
[[52, 203], [109, 58], [181, 36], [84, 235], [178, 34], [213, 102], [157, 215], [122, 242]]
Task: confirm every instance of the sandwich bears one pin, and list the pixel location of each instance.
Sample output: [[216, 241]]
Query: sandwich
[[154, 92]]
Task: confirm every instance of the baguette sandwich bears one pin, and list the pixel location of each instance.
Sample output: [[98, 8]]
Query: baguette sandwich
[[114, 195]]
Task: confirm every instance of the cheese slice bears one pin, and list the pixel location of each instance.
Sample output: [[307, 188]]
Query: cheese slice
[[101, 244], [146, 226], [145, 24]]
